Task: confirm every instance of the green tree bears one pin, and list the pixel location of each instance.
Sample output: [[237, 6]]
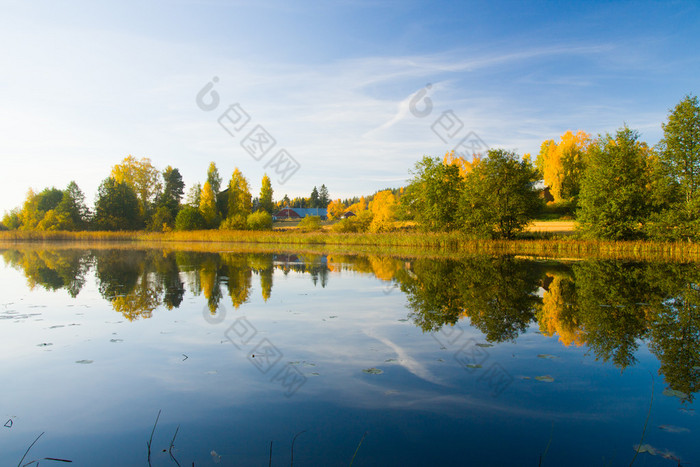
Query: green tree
[[314, 199], [323, 197], [432, 196], [265, 202], [678, 179], [614, 198], [498, 198], [680, 146], [173, 190], [260, 220], [194, 195], [214, 178], [189, 218], [116, 207]]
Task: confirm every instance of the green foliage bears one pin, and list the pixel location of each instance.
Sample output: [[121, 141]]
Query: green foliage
[[161, 221], [323, 197], [189, 218], [310, 224], [116, 207], [260, 220], [173, 190], [680, 146], [614, 199], [235, 222], [498, 198], [12, 220], [213, 177], [354, 224], [676, 178], [432, 197]]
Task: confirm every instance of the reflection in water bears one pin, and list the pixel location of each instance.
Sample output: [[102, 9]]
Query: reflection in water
[[608, 306]]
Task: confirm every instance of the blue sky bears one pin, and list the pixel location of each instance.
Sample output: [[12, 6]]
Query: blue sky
[[85, 84]]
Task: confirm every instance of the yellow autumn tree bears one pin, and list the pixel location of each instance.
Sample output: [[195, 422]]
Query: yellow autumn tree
[[335, 209], [464, 166], [140, 175], [382, 207], [562, 164], [207, 205], [555, 316]]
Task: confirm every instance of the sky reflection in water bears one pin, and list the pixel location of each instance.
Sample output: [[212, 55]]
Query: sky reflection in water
[[482, 361]]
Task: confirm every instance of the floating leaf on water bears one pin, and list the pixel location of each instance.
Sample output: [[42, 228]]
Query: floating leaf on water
[[440, 360], [675, 393], [373, 371], [44, 344], [334, 316], [473, 365], [645, 448], [403, 320], [390, 360], [315, 374], [688, 411], [57, 326], [484, 345], [116, 340], [84, 362], [547, 356], [525, 377], [673, 429], [215, 457], [295, 363], [545, 379], [309, 364]]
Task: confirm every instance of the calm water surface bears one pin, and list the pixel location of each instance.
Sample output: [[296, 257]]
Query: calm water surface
[[481, 361]]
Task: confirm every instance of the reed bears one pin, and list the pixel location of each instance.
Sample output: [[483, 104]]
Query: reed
[[443, 243]]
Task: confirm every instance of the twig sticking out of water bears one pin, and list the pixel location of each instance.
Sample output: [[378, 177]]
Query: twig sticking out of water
[[546, 450], [172, 445], [30, 447], [357, 449], [651, 401], [293, 441], [270, 464], [148, 444]]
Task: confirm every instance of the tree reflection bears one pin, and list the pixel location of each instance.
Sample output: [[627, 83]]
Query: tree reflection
[[497, 295], [610, 307]]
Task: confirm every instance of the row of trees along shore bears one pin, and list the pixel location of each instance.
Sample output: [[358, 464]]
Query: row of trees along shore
[[615, 186]]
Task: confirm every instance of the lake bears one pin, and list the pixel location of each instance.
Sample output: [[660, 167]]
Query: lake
[[128, 356]]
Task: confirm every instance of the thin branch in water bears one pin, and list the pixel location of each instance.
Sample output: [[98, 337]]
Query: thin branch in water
[[357, 449], [151, 439], [293, 441], [172, 445], [30, 447], [546, 450], [270, 464]]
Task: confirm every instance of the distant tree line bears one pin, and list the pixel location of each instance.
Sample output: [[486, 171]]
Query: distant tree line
[[137, 196]]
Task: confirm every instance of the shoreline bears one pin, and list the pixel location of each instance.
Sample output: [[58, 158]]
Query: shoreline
[[446, 244]]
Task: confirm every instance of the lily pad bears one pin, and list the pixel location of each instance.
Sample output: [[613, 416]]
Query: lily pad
[[373, 371], [44, 344], [390, 360], [116, 340], [473, 365], [84, 362], [675, 393], [315, 374], [545, 379], [484, 345], [645, 448], [673, 429], [547, 356]]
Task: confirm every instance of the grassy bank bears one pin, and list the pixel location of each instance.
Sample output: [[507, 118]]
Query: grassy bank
[[451, 243]]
